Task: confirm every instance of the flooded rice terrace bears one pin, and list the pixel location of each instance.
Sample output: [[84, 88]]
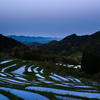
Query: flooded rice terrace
[[35, 84]]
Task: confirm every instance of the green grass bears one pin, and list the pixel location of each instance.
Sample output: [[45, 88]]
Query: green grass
[[16, 67], [48, 68], [5, 56], [60, 70]]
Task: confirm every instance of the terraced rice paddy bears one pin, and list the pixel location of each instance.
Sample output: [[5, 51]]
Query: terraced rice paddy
[[29, 82]]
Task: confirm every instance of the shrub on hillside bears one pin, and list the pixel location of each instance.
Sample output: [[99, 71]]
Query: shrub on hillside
[[96, 77]]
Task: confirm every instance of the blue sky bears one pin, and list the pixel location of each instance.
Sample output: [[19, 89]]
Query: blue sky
[[49, 18]]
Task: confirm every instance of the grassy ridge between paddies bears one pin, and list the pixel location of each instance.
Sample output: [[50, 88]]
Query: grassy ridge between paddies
[[10, 95], [47, 72], [19, 64], [14, 61], [59, 87], [61, 70]]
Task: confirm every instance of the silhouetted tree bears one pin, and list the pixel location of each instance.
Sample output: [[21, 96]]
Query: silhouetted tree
[[0, 57], [90, 62]]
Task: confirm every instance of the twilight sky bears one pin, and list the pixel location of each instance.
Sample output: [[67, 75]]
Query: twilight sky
[[49, 18]]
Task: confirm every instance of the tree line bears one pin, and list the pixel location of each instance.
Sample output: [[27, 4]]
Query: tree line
[[90, 62], [42, 55]]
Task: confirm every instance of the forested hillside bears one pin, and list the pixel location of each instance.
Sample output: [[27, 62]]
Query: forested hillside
[[6, 44], [73, 43], [34, 45], [92, 45]]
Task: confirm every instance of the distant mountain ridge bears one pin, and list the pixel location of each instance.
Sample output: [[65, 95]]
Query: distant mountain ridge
[[29, 39], [70, 44], [74, 39]]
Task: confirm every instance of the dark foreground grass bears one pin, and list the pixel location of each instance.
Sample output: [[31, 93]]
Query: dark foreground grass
[[10, 95], [51, 95], [77, 97]]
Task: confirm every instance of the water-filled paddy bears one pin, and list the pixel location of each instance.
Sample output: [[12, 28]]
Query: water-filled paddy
[[25, 94], [40, 81]]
